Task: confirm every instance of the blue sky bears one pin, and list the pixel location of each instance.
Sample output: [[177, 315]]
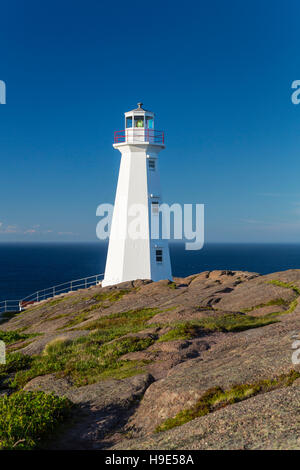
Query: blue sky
[[218, 76]]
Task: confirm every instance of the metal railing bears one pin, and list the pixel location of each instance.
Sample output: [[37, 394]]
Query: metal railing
[[50, 292], [138, 135]]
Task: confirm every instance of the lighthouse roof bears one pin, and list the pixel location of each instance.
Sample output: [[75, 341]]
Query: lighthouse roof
[[140, 109]]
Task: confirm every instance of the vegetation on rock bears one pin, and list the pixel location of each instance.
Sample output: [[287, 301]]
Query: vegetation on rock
[[10, 337], [86, 360], [225, 323], [28, 417], [288, 285], [217, 398]]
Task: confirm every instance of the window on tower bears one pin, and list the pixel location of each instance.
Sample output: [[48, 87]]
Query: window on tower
[[155, 207], [151, 164], [159, 255], [128, 122], [138, 121]]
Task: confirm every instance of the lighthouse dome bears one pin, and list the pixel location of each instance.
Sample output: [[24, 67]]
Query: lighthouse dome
[[139, 118], [139, 129]]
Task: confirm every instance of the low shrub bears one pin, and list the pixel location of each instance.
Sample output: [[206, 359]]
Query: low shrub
[[28, 417]]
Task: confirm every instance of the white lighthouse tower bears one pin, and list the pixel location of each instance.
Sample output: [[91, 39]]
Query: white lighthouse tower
[[133, 255]]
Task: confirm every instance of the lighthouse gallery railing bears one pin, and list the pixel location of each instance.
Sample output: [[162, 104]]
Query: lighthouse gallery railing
[[50, 292], [138, 135]]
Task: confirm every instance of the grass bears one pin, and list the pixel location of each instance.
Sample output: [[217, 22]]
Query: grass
[[279, 302], [28, 417], [119, 324], [111, 296], [14, 363], [44, 303], [76, 320], [217, 398], [90, 358], [292, 306], [57, 317], [172, 285], [52, 303], [287, 285], [87, 359], [19, 346], [10, 337], [224, 323]]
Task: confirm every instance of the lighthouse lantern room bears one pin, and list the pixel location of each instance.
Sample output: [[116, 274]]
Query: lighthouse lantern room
[[134, 254]]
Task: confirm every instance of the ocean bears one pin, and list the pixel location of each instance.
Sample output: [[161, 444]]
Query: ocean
[[26, 268]]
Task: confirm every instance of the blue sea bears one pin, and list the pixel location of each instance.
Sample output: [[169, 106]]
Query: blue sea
[[26, 268]]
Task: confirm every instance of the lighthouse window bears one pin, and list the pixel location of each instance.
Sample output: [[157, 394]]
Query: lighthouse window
[[129, 122], [138, 121], [151, 164], [150, 122], [159, 256], [155, 207]]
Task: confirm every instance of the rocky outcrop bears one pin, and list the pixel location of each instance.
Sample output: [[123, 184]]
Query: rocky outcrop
[[213, 329]]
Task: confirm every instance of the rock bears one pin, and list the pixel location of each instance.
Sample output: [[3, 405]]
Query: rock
[[102, 407], [178, 372], [268, 421], [233, 359]]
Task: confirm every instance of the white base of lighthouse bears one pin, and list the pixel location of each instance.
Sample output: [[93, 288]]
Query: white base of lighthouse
[[132, 253]]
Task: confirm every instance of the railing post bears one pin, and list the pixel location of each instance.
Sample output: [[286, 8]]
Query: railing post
[[20, 308], [37, 296], [85, 283], [5, 306], [71, 286]]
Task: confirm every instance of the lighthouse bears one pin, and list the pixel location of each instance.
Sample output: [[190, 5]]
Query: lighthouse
[[133, 251]]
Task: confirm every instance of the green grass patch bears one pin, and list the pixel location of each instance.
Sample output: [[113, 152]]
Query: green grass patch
[[15, 362], [28, 417], [96, 356], [217, 398], [10, 337], [172, 285], [76, 320], [292, 306], [86, 360], [111, 296], [224, 323], [19, 346], [119, 324], [287, 285], [57, 317], [279, 302], [54, 302]]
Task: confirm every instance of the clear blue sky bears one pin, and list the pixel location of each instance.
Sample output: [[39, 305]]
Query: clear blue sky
[[218, 76]]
